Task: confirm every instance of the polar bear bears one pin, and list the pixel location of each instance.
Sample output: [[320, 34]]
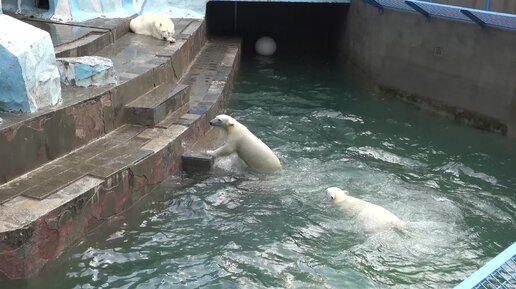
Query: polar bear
[[257, 155], [155, 25], [371, 217]]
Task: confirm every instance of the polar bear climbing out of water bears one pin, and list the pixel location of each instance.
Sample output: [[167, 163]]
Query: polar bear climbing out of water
[[257, 155], [155, 25], [371, 217]]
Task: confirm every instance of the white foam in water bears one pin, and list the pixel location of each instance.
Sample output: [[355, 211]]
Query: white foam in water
[[456, 169], [382, 155], [231, 163]]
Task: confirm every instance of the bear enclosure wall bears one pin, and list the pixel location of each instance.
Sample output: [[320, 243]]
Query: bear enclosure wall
[[299, 27], [453, 67]]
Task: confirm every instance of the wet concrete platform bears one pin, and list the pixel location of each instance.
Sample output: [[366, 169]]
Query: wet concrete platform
[[79, 39], [66, 169]]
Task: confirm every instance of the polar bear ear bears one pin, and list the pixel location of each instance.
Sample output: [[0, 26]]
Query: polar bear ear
[[160, 24], [230, 122]]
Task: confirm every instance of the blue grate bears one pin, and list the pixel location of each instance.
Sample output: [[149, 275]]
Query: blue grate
[[499, 273], [494, 19]]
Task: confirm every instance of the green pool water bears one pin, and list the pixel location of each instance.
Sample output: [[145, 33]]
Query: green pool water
[[454, 185]]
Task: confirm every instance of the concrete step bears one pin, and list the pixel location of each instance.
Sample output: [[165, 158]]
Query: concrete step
[[152, 107], [28, 141], [144, 62], [206, 77], [170, 103], [100, 158]]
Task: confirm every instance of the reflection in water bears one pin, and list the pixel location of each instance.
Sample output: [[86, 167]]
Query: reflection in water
[[454, 186]]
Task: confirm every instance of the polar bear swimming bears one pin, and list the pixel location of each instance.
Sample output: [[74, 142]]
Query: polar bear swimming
[[371, 217], [158, 26], [257, 155]]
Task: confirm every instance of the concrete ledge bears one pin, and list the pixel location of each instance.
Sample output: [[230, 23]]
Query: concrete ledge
[[30, 237], [197, 163], [466, 117], [29, 140], [81, 39]]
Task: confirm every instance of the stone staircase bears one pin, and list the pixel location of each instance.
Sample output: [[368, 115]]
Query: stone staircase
[[65, 169]]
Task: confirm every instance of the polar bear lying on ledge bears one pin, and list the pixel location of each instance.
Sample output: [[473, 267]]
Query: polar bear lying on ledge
[[372, 217], [257, 155], [158, 26]]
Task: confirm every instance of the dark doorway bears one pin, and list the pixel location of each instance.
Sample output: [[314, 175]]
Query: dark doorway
[[43, 4]]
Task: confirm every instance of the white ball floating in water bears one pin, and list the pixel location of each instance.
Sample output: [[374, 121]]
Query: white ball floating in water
[[265, 46]]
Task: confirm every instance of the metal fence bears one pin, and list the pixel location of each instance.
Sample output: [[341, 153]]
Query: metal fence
[[500, 273], [428, 9]]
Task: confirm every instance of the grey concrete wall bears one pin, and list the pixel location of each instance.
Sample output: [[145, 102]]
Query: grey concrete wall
[[504, 6], [452, 66]]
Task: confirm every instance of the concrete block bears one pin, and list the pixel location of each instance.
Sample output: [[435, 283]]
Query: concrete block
[[197, 162], [87, 71], [29, 78]]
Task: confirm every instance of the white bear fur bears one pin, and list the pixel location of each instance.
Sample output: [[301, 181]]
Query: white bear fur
[[158, 26], [371, 217], [257, 155]]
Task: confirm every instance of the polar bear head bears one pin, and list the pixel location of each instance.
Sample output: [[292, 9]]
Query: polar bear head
[[223, 121], [336, 195], [166, 29]]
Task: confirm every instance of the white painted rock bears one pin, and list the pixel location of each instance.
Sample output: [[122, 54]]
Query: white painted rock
[[82, 10], [29, 78], [87, 71]]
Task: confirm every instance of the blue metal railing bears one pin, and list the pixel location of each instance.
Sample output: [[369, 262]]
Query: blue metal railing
[[428, 9], [500, 272], [282, 1]]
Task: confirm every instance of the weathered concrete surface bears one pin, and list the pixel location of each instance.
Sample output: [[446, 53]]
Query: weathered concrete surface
[[448, 66], [21, 225], [101, 179], [27, 141]]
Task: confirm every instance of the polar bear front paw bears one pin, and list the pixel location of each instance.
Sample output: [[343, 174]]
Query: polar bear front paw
[[171, 40]]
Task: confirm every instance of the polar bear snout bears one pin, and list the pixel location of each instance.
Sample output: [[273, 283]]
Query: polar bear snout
[[223, 120]]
